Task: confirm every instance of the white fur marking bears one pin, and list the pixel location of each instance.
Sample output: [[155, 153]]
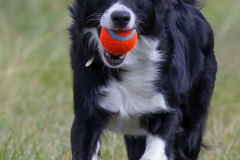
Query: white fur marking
[[106, 20], [158, 100], [95, 156], [94, 40], [135, 95], [155, 149]]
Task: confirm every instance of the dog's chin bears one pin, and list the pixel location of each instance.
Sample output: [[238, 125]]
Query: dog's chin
[[113, 61]]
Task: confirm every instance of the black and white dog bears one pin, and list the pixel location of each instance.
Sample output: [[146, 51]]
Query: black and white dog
[[158, 94]]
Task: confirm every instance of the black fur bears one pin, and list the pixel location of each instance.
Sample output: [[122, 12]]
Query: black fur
[[187, 77]]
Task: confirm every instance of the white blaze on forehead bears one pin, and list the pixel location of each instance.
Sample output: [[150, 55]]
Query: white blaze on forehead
[[106, 20]]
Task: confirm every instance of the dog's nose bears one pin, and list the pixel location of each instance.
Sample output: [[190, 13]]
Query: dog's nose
[[121, 18]]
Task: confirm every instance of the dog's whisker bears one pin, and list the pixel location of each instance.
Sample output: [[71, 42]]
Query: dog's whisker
[[139, 29], [95, 14], [93, 19]]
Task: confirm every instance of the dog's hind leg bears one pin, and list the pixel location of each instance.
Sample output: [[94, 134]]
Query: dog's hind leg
[[135, 146], [195, 108]]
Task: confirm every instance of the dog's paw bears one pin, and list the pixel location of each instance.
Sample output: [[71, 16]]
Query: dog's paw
[[153, 157], [155, 149], [95, 156]]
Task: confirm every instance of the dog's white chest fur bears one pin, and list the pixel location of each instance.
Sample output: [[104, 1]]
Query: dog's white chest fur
[[135, 95]]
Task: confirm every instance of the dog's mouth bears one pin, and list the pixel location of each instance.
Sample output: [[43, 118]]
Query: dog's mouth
[[114, 60]]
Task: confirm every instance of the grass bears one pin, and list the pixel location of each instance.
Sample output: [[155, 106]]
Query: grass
[[35, 89]]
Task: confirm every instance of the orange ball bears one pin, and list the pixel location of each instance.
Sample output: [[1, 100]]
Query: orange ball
[[118, 42]]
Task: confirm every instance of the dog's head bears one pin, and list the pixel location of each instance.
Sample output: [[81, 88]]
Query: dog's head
[[146, 16]]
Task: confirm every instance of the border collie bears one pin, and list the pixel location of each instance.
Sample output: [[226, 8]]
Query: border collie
[[158, 94]]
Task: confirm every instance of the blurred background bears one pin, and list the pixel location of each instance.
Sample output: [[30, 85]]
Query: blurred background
[[35, 83]]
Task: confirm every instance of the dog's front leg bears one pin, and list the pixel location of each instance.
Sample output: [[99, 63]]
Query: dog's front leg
[[85, 139], [161, 132]]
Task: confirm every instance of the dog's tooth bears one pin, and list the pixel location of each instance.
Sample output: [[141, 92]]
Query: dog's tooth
[[108, 54], [121, 57], [90, 61]]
